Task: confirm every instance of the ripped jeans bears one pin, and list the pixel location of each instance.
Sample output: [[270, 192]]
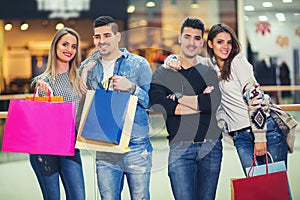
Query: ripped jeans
[[136, 165], [48, 169]]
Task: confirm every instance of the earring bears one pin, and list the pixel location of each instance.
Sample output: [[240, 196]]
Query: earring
[[213, 60]]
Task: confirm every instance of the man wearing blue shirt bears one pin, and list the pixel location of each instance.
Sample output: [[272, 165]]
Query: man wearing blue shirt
[[131, 73]]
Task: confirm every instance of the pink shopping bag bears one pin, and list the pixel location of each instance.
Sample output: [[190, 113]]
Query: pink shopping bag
[[40, 128]]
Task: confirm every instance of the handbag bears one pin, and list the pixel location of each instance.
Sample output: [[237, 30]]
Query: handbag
[[106, 121], [261, 187], [34, 127]]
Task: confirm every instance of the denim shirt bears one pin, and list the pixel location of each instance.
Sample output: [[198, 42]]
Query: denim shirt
[[137, 70]]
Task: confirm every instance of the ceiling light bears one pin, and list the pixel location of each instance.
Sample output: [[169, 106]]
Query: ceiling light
[[131, 9], [59, 25], [249, 8], [287, 1], [267, 4], [24, 26], [262, 18], [280, 17], [150, 4], [195, 4], [8, 26]]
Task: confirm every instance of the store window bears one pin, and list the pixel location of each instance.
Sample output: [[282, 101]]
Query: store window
[[153, 30], [272, 30]]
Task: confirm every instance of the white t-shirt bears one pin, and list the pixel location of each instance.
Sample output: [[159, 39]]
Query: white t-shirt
[[108, 71]]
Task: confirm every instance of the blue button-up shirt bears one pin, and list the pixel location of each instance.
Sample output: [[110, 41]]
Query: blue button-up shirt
[[137, 70]]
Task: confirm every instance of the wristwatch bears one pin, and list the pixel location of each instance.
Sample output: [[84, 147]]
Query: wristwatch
[[178, 95], [132, 89]]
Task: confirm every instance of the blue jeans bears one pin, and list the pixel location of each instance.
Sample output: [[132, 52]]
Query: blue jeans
[[194, 169], [136, 165], [276, 145], [48, 168]]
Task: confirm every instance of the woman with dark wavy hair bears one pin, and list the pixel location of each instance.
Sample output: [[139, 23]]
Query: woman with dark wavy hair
[[244, 113], [245, 108]]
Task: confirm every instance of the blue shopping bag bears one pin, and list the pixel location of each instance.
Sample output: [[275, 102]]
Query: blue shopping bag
[[106, 116], [273, 167], [102, 120]]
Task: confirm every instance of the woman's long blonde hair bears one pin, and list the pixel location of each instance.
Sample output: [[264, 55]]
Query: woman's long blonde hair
[[73, 64]]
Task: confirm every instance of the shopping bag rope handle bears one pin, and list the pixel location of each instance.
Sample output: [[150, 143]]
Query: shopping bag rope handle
[[254, 163], [36, 90]]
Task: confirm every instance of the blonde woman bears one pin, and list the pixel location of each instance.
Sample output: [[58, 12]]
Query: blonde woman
[[61, 78]]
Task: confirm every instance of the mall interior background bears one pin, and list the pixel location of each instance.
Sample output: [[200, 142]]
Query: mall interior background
[[148, 31], [151, 32]]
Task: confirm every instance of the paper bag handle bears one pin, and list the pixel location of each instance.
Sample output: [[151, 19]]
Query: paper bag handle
[[36, 90], [254, 163]]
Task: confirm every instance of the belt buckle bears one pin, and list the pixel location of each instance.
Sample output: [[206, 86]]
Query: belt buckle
[[193, 142]]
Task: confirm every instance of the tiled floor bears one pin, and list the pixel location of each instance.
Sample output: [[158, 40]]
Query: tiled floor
[[18, 181]]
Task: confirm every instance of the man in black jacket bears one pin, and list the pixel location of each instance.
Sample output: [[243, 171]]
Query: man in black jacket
[[188, 99]]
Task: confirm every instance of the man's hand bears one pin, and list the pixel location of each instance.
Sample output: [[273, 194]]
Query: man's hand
[[260, 148], [174, 64], [208, 89], [83, 77], [82, 82], [121, 83], [184, 110]]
